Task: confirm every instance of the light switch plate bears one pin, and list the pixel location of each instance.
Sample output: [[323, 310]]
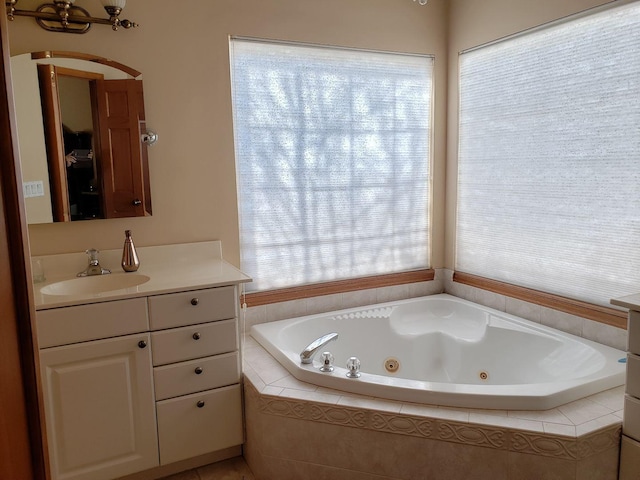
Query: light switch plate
[[33, 189]]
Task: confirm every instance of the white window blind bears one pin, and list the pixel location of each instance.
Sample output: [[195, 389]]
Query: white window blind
[[332, 159], [549, 158]]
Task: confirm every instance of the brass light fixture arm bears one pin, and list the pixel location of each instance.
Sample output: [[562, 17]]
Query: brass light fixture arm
[[67, 17]]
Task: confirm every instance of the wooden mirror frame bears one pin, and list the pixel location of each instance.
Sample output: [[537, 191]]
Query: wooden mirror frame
[[88, 57], [48, 76], [121, 158]]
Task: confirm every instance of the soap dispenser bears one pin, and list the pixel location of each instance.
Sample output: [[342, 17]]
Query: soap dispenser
[[130, 261]]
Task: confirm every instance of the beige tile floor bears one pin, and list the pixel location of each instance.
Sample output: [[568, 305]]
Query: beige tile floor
[[232, 469]]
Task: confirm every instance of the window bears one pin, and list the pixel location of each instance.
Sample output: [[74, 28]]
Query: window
[[549, 158], [332, 158]]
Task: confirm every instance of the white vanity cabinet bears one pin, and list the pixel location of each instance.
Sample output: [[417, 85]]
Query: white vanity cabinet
[[630, 444], [140, 381], [134, 384], [98, 394], [196, 372]]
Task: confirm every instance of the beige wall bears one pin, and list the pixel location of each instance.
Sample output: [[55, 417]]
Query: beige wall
[[473, 23], [31, 137], [184, 60], [183, 55], [75, 103]]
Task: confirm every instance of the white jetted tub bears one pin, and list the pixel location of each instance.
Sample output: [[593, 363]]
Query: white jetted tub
[[446, 351]]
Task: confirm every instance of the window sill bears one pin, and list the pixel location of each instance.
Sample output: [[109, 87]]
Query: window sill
[[339, 286], [609, 316]]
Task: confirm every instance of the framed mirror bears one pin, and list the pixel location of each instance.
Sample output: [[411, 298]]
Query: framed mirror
[[81, 126]]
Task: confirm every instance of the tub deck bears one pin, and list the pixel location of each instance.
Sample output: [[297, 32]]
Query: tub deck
[[584, 434], [572, 420]]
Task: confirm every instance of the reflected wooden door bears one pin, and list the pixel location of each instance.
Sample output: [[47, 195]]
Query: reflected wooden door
[[120, 116], [52, 118]]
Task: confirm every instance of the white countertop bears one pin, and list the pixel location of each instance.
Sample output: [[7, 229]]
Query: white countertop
[[170, 268], [632, 302]]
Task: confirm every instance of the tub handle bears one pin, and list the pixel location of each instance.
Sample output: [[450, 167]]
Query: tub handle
[[306, 356], [353, 367], [327, 361]]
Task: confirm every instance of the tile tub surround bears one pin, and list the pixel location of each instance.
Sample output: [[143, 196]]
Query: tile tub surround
[[296, 431], [579, 326], [339, 301], [443, 283]]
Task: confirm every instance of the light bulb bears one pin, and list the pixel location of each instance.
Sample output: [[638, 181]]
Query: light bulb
[[114, 3]]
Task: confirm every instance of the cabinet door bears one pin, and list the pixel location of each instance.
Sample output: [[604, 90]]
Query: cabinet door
[[99, 408]]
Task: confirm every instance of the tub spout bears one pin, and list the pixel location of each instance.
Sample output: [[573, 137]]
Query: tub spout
[[308, 353]]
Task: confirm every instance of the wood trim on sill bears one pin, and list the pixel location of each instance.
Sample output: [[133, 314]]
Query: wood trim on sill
[[339, 286], [609, 316]]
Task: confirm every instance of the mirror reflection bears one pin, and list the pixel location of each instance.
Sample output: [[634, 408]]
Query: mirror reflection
[[77, 135], [80, 124]]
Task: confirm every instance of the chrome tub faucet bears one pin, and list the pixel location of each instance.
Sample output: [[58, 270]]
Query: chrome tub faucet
[[306, 356], [94, 267]]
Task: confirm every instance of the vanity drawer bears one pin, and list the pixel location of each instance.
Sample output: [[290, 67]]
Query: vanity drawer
[[633, 375], [188, 308], [633, 332], [631, 422], [195, 341], [629, 459], [62, 326], [200, 423], [196, 375]]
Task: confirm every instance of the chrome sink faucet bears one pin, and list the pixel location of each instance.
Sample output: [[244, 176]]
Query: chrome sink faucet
[[94, 267], [306, 356]]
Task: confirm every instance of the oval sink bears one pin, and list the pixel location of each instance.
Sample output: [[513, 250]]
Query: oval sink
[[94, 285]]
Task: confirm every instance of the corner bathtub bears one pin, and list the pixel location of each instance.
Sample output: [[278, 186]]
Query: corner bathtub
[[449, 352]]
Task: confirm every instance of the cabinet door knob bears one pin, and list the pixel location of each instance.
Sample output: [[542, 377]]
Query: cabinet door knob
[[142, 343], [200, 403], [198, 370], [136, 202], [195, 301], [196, 336]]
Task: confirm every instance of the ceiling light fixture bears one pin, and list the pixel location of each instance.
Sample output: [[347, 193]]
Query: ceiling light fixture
[[421, 2], [64, 16]]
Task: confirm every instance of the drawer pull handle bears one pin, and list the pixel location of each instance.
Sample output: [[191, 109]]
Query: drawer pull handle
[[195, 301], [198, 370], [142, 344], [196, 336], [200, 403]]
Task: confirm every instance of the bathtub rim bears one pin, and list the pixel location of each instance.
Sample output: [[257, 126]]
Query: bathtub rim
[[510, 397]]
